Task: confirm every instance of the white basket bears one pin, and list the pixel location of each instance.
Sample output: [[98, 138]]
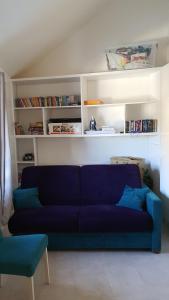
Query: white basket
[[130, 160], [134, 56]]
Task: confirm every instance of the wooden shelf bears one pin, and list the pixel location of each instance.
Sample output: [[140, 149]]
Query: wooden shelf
[[24, 162], [86, 135], [122, 134], [142, 100], [141, 134], [90, 76], [48, 107], [48, 136], [28, 136], [48, 80]]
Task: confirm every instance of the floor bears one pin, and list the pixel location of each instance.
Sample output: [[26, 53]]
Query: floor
[[97, 275]]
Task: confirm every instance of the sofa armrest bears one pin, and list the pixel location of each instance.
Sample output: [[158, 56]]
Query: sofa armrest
[[154, 208]]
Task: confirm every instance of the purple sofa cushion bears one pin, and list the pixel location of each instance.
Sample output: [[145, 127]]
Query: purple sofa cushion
[[104, 184], [58, 185], [45, 219], [109, 218]]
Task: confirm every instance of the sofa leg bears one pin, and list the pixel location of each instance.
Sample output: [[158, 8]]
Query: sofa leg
[[156, 251]]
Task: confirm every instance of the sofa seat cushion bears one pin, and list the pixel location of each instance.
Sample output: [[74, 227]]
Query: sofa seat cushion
[[109, 218], [44, 220]]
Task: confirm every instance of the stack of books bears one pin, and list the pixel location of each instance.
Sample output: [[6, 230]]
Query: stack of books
[[103, 130], [48, 101], [35, 128], [136, 126]]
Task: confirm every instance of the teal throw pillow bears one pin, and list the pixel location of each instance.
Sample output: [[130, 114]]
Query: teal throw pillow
[[133, 197], [26, 198]]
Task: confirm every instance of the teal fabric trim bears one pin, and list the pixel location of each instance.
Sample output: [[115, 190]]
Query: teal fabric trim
[[19, 255], [92, 241], [154, 208], [133, 197], [26, 198]]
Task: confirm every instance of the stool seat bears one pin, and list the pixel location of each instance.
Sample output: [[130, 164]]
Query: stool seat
[[19, 255]]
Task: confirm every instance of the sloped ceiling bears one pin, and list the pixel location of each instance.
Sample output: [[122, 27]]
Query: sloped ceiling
[[30, 28]]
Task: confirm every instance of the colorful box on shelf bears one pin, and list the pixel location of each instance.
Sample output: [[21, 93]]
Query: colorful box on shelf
[[65, 126], [93, 102]]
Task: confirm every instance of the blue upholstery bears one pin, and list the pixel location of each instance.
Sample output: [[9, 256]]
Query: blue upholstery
[[79, 201], [154, 208], [53, 218], [115, 240], [19, 255], [133, 197], [110, 218], [104, 184], [58, 185], [26, 198]]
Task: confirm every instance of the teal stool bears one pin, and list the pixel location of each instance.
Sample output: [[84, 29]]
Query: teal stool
[[20, 255]]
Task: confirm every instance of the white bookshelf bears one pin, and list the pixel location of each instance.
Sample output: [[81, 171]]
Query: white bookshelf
[[126, 95]]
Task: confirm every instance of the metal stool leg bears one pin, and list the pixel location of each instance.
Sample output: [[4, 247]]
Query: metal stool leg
[[47, 266], [32, 288], [1, 280]]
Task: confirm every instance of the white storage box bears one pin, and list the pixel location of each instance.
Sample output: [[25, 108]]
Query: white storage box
[[64, 128]]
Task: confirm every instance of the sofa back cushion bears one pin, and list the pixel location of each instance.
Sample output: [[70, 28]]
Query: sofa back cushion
[[58, 185], [104, 184]]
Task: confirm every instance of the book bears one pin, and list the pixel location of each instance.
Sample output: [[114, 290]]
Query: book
[[138, 126], [131, 126], [148, 125], [127, 126]]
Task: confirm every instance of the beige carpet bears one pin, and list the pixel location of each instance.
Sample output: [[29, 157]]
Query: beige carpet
[[96, 275]]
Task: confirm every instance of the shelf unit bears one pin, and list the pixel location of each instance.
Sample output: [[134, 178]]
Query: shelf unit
[[127, 95]]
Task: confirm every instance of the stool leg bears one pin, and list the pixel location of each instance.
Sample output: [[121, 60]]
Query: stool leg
[[32, 288], [1, 280], [47, 266]]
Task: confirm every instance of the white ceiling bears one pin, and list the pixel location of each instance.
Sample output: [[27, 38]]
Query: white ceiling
[[30, 28]]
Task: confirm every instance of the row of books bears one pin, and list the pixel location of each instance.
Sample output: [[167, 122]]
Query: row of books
[[148, 125], [48, 101]]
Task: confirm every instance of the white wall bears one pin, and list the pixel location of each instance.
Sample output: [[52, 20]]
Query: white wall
[[28, 28], [120, 22], [80, 151]]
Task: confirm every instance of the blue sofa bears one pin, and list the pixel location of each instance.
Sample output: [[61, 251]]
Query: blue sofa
[[79, 212]]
